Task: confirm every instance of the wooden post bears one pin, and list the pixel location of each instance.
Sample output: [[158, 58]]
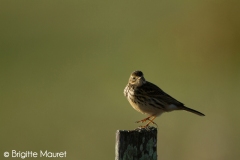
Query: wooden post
[[139, 144]]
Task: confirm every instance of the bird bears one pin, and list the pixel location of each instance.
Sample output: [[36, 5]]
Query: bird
[[148, 98]]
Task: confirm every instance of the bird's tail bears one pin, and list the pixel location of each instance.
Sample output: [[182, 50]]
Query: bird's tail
[[192, 110]]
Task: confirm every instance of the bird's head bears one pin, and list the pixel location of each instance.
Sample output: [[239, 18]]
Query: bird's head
[[137, 79]]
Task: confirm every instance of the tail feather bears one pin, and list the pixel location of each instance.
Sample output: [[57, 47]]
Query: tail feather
[[193, 111]]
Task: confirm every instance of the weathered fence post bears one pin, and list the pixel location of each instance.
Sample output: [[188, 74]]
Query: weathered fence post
[[139, 144]]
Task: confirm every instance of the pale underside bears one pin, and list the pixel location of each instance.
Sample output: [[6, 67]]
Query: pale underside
[[150, 110]]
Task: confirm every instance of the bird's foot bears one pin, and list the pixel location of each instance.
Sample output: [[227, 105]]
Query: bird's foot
[[147, 119]]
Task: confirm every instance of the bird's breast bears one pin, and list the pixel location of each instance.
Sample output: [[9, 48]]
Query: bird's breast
[[143, 106]]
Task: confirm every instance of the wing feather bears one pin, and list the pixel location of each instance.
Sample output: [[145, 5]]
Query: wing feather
[[151, 90]]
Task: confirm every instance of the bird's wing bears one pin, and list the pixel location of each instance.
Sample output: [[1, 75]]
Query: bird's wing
[[151, 90]]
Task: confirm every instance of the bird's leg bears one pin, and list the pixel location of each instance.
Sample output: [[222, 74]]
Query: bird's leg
[[147, 119], [144, 120], [151, 121]]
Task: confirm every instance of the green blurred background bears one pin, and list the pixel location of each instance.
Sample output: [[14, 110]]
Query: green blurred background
[[64, 65]]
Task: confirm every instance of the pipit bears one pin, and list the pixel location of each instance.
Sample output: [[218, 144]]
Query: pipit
[[147, 98]]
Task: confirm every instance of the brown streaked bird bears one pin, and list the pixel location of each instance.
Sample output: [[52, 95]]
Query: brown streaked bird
[[147, 98]]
